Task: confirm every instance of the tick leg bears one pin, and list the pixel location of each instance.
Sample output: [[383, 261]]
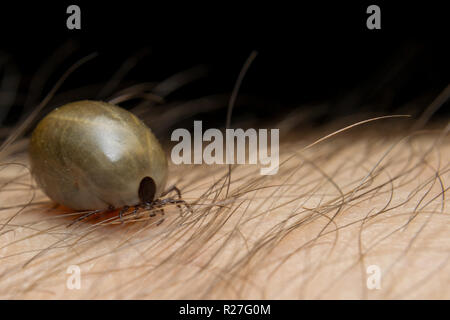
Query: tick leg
[[162, 214], [172, 188], [160, 221], [84, 216], [161, 208], [156, 205], [178, 202], [121, 212], [149, 206], [135, 210]]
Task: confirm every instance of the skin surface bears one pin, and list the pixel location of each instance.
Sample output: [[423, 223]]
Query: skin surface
[[93, 155], [315, 230]]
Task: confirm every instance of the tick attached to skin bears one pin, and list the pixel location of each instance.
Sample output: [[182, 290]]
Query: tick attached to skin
[[91, 155]]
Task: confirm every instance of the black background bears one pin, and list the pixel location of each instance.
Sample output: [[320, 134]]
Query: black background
[[310, 53]]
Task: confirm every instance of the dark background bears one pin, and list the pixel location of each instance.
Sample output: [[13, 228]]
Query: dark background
[[310, 53]]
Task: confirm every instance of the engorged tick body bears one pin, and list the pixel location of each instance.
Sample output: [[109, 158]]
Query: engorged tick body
[[91, 155]]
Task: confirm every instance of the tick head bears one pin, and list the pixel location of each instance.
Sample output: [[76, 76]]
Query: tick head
[[147, 190]]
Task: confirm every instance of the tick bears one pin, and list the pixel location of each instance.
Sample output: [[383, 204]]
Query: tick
[[92, 155]]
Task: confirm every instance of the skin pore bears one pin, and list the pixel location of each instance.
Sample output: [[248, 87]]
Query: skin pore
[[375, 195]]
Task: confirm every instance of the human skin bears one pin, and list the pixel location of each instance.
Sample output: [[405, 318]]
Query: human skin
[[371, 198]]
